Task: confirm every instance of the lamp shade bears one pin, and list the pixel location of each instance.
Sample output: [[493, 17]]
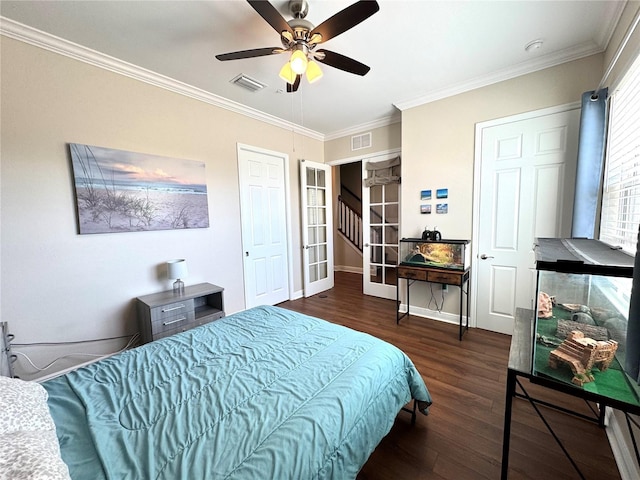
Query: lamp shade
[[314, 73], [287, 74], [177, 268], [299, 62]]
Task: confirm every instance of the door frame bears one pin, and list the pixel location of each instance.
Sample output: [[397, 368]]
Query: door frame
[[379, 156], [477, 170], [241, 147]]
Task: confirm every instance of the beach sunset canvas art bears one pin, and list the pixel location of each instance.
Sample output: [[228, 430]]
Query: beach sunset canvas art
[[120, 191]]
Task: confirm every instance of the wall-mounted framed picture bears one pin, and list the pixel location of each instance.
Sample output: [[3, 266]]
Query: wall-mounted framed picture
[[425, 208], [425, 194], [442, 208], [442, 193], [120, 191]]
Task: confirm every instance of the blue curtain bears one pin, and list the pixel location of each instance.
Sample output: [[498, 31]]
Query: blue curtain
[[632, 352], [593, 127]]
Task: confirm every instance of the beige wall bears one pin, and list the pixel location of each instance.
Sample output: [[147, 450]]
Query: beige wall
[[60, 286], [382, 139], [438, 141], [438, 138]]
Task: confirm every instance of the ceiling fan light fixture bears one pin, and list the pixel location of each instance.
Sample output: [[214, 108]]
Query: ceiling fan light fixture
[[287, 74], [298, 62], [314, 73]]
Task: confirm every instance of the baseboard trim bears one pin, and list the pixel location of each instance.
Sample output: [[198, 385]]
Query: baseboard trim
[[431, 314], [622, 452], [348, 269]]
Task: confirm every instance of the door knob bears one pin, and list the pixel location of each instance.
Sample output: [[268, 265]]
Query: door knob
[[484, 256]]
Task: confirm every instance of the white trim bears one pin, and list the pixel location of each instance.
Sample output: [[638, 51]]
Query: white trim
[[619, 50], [622, 454], [547, 61], [288, 213], [445, 317], [363, 156], [477, 168], [32, 36], [381, 122], [348, 269], [287, 195]]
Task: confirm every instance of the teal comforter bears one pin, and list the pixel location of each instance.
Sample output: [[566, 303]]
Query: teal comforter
[[263, 394]]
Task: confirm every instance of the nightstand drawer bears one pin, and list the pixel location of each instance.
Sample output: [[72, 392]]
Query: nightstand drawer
[[443, 277], [171, 322], [171, 310], [412, 273], [166, 313]]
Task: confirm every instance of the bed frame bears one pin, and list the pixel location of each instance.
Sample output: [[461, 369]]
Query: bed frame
[[6, 357]]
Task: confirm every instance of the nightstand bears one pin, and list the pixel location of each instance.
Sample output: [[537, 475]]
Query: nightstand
[[166, 313]]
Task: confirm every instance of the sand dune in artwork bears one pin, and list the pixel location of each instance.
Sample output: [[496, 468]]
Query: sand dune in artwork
[[111, 210]]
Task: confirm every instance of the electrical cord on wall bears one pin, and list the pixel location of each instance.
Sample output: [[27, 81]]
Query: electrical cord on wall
[[434, 300], [41, 344], [131, 342]]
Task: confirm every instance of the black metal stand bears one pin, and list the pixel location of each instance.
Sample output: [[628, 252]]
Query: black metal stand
[[459, 279], [520, 366]]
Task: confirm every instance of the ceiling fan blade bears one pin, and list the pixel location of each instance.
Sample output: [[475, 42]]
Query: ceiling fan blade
[[255, 52], [271, 15], [345, 19], [341, 62], [294, 87]]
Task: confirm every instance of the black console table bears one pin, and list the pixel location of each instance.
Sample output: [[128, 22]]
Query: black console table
[[520, 366], [443, 276]]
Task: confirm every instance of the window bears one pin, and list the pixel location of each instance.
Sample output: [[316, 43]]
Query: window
[[620, 215]]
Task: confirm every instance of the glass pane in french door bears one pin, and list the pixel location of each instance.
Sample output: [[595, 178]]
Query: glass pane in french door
[[317, 219], [383, 233]]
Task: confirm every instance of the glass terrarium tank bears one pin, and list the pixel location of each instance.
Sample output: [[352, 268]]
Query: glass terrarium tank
[[449, 254], [583, 293]]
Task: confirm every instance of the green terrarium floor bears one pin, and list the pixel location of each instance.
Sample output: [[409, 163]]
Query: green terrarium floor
[[612, 383]]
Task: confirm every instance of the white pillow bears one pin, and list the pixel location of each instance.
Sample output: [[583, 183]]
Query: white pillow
[[31, 456], [29, 446], [24, 406]]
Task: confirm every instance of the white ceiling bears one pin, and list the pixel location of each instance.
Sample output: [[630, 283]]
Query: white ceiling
[[418, 51]]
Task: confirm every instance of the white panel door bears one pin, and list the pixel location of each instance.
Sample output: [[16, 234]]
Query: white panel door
[[380, 226], [526, 185], [317, 227], [264, 228]]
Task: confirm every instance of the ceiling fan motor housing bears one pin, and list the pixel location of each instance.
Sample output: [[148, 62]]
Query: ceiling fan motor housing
[[298, 8]]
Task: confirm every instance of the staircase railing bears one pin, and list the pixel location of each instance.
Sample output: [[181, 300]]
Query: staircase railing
[[350, 223]]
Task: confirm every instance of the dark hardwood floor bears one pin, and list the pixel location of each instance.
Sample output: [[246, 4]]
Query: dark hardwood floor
[[461, 438]]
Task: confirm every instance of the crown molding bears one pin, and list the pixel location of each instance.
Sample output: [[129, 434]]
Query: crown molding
[[381, 122], [523, 68], [18, 31], [604, 36]]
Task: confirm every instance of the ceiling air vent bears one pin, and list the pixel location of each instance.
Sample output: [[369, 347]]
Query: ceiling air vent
[[359, 142], [247, 82]]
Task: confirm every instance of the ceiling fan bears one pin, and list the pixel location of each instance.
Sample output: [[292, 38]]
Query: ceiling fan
[[301, 38]]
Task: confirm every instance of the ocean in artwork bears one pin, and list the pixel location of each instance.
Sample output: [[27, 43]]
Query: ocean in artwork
[[121, 191]]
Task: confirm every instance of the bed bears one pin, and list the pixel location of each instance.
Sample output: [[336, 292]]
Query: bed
[[265, 393]]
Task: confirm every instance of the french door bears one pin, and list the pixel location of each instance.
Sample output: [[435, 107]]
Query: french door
[[380, 224], [317, 227]]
